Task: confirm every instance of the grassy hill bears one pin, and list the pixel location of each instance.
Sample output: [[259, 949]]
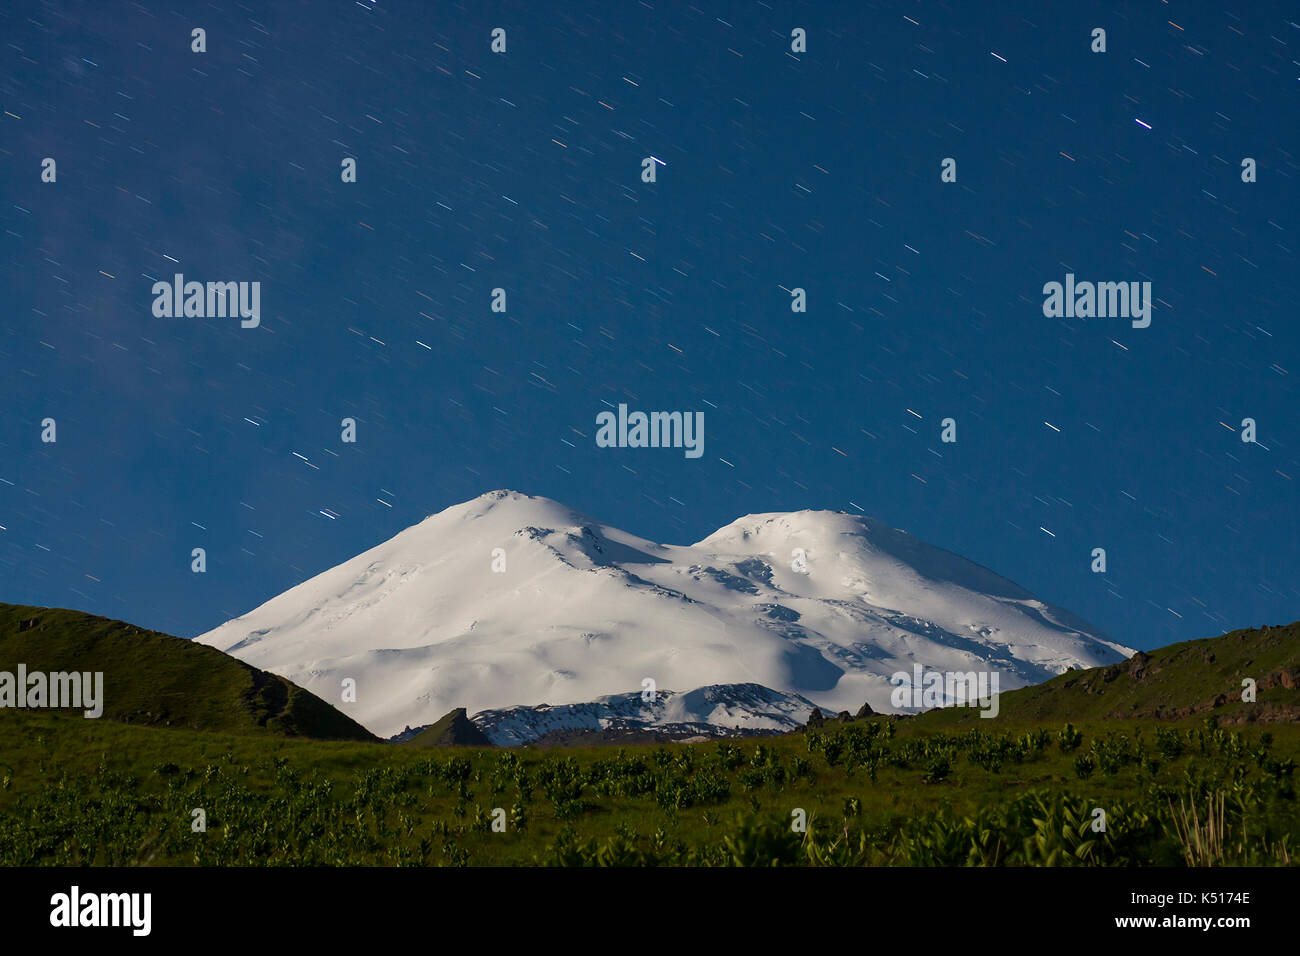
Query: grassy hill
[[1020, 789], [155, 679], [1189, 679], [453, 730], [77, 792]]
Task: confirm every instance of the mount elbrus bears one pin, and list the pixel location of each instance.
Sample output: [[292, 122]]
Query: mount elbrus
[[511, 600]]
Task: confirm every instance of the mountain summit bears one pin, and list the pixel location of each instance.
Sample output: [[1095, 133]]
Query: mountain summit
[[510, 599]]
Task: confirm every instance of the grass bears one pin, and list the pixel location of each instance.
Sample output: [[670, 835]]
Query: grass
[[1187, 679], [155, 679], [78, 792], [1156, 761], [452, 729]]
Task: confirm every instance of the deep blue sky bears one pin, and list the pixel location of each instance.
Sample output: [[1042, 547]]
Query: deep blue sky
[[522, 170]]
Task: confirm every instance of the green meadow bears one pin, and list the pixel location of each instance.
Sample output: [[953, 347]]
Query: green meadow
[[872, 792], [1077, 771]]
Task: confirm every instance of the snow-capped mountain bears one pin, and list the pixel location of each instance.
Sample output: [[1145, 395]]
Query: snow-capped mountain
[[516, 600], [720, 710]]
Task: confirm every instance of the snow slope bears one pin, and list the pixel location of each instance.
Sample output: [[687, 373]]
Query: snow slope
[[581, 610], [714, 711]]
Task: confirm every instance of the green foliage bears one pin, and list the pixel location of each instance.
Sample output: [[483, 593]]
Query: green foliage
[[78, 793], [154, 679], [1068, 739]]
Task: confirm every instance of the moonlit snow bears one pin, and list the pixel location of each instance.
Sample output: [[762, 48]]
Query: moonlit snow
[[817, 604]]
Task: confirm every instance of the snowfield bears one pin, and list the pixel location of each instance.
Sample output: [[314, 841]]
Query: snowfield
[[817, 605], [720, 710]]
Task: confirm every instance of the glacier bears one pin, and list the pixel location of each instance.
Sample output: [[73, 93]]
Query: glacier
[[511, 601]]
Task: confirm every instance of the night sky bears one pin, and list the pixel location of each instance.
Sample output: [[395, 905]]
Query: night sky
[[817, 170]]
